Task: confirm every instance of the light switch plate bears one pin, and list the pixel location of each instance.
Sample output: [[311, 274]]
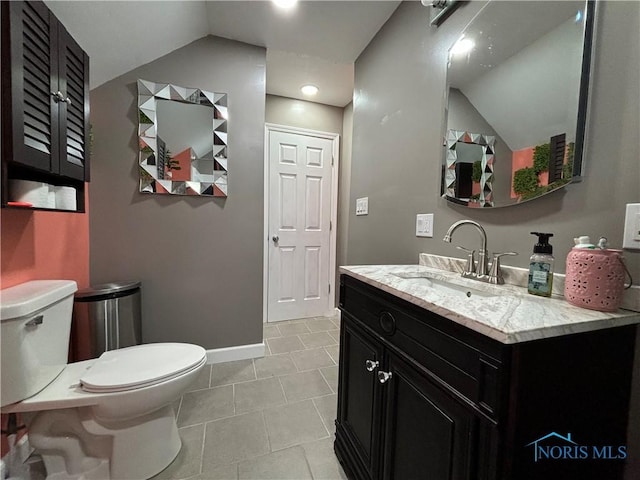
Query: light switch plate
[[424, 225], [631, 239], [362, 206]]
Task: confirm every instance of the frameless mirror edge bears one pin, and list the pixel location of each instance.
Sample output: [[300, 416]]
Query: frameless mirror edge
[[586, 84]]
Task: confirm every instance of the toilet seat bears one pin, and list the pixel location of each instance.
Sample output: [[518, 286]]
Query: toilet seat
[[141, 366]]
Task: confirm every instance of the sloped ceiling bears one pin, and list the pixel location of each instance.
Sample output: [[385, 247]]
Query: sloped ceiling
[[315, 42]]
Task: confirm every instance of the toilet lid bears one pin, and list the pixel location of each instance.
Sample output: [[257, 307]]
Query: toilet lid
[[141, 366]]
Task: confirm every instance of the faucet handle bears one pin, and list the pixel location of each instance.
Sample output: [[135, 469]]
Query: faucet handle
[[511, 254], [470, 267], [495, 276]]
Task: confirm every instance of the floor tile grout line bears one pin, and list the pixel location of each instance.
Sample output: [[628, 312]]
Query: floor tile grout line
[[255, 373], [204, 439], [179, 406], [233, 398], [266, 430], [321, 417], [326, 381], [286, 400]]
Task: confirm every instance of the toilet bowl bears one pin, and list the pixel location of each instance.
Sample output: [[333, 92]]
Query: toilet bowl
[[106, 418]]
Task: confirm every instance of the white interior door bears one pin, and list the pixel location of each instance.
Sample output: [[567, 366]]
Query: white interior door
[[300, 178]]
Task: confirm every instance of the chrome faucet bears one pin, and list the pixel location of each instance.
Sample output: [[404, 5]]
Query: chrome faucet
[[481, 270], [482, 267]]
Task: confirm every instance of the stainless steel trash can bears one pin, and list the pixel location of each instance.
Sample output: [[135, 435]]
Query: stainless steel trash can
[[114, 311]]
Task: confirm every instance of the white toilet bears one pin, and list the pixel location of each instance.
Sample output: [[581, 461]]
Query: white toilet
[[106, 418]]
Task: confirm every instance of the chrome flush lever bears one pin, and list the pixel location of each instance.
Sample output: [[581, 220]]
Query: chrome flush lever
[[35, 321]]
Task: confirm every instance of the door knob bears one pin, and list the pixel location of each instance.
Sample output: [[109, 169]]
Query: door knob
[[372, 365], [383, 377], [275, 238]]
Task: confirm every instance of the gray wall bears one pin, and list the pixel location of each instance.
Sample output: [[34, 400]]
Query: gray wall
[[199, 259], [398, 107], [345, 185], [301, 114]]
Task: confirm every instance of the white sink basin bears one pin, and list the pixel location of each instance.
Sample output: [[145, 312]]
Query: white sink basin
[[445, 287]]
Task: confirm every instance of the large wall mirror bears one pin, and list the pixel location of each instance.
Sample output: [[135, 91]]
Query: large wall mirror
[[183, 140], [517, 85]]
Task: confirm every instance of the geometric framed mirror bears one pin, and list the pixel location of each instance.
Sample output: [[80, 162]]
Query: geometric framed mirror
[[517, 74], [183, 140], [469, 168]]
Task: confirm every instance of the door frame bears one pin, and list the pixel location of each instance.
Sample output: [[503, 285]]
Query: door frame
[[335, 151]]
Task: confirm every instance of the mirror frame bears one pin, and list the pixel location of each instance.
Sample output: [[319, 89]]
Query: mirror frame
[[587, 61], [149, 93], [487, 143]]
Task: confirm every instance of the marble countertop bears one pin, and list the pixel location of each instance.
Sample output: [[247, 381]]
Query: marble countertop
[[506, 313]]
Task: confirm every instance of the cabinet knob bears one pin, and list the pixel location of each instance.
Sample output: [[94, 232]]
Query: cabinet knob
[[372, 365], [59, 97], [383, 377]]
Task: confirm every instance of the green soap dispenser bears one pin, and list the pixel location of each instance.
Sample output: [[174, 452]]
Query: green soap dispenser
[[541, 266]]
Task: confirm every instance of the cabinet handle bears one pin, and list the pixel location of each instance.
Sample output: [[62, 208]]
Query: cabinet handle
[[59, 97], [383, 377], [372, 365]]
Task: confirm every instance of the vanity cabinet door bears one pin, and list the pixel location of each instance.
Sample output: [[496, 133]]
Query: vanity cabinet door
[[359, 405], [428, 433]]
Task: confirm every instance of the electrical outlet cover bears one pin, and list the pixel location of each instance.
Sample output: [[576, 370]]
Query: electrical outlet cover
[[424, 225], [362, 206], [631, 239]]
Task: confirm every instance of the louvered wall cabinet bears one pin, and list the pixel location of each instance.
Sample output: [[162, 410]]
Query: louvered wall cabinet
[[45, 101]]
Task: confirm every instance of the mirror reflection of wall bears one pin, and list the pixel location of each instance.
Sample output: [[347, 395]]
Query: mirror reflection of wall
[[515, 73], [463, 116]]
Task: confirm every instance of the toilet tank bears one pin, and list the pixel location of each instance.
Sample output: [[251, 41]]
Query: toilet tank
[[35, 322]]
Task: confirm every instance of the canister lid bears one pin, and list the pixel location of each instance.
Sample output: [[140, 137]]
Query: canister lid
[[112, 289]]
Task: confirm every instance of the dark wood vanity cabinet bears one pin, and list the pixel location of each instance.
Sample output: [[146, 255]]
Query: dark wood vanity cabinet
[[421, 397], [45, 100]]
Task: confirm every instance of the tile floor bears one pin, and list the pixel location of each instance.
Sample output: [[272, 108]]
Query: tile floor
[[268, 418]]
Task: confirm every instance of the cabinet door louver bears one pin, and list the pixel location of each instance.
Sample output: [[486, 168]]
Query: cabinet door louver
[[37, 133], [74, 83]]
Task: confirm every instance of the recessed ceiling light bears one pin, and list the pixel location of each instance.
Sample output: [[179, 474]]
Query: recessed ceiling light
[[463, 45], [285, 3], [309, 89]]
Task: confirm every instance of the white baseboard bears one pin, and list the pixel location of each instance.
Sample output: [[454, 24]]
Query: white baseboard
[[241, 352]]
